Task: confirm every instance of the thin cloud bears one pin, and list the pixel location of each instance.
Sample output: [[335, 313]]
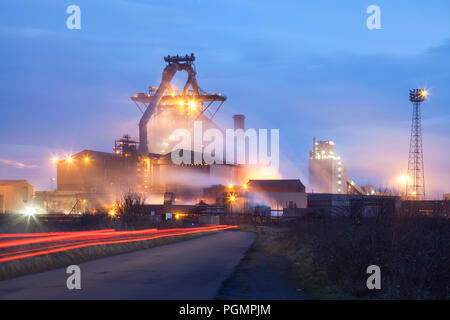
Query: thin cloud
[[26, 31], [17, 164]]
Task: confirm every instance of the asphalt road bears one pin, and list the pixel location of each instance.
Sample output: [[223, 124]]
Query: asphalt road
[[192, 269]]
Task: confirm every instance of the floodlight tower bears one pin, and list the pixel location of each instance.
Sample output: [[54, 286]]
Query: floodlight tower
[[415, 184]]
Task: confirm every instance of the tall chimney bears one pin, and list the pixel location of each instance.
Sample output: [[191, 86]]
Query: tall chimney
[[239, 121]]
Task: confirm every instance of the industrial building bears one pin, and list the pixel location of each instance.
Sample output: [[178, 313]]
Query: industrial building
[[15, 195], [427, 208], [274, 194], [347, 204], [277, 194], [96, 172], [328, 172], [256, 197], [91, 180]]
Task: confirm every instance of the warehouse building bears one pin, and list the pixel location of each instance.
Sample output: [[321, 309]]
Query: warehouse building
[[277, 194], [347, 204], [15, 195]]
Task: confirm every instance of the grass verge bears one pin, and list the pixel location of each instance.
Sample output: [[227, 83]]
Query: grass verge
[[279, 241]]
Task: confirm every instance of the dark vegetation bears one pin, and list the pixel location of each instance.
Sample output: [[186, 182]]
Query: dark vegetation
[[130, 209], [330, 256]]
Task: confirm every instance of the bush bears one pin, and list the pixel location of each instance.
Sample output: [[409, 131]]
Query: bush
[[94, 219], [412, 252], [130, 208]]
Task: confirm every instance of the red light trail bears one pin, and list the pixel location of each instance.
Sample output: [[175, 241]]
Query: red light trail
[[28, 235], [64, 241]]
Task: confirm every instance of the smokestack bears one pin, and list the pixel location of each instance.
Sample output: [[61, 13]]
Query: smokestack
[[239, 121]]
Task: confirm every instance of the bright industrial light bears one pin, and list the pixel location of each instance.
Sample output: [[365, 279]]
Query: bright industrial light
[[403, 178], [245, 186], [181, 102], [29, 211], [55, 160], [112, 212], [424, 93], [69, 159], [86, 159], [232, 198], [192, 105], [230, 186]]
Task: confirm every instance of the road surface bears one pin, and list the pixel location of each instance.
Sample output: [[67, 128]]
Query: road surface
[[16, 246], [192, 269]]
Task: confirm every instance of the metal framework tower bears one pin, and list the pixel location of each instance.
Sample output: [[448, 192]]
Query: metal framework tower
[[160, 99], [415, 184]]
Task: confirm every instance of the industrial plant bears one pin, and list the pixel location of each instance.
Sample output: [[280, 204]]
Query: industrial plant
[[92, 181]]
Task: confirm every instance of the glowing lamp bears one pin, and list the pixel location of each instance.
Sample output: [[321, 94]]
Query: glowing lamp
[[29, 211], [403, 178]]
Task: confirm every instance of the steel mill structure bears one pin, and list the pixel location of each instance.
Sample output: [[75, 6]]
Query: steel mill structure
[[90, 179], [415, 183], [196, 187], [164, 106]]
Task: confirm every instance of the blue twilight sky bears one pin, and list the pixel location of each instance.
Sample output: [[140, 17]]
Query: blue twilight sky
[[309, 68]]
